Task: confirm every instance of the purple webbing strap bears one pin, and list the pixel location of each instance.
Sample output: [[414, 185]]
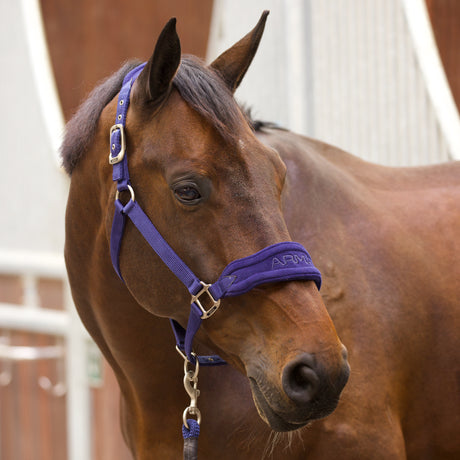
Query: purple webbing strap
[[184, 338], [120, 173], [118, 227], [161, 247]]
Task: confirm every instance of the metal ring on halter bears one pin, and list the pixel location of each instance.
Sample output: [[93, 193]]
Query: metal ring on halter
[[215, 303], [131, 191], [192, 411], [197, 367], [183, 355]]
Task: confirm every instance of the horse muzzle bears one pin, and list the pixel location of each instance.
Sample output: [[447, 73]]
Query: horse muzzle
[[307, 392]]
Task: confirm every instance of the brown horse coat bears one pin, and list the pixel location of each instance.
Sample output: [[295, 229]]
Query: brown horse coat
[[385, 239]]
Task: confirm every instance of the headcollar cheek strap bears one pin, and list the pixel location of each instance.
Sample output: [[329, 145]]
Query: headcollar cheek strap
[[118, 227]]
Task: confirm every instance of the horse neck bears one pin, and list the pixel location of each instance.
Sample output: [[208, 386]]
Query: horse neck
[[352, 214], [330, 181], [322, 182]]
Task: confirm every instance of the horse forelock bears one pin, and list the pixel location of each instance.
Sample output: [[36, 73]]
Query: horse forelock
[[205, 91]]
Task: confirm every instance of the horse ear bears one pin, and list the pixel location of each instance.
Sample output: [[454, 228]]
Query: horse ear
[[154, 82], [233, 63]]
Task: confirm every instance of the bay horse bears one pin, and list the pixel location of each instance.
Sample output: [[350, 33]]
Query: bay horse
[[220, 188]]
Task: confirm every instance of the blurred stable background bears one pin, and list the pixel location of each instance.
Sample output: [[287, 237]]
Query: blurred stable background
[[379, 78]]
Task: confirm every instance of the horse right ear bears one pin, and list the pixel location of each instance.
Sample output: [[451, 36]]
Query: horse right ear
[[233, 63], [154, 82]]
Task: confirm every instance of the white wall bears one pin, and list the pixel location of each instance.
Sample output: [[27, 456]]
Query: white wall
[[346, 71], [264, 86], [33, 189], [353, 73]]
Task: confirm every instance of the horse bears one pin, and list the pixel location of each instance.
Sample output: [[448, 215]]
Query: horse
[[220, 188]]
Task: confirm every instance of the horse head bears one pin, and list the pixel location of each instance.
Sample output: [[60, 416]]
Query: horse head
[[214, 192]]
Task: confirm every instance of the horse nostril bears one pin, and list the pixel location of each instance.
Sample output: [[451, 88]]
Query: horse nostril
[[300, 381]]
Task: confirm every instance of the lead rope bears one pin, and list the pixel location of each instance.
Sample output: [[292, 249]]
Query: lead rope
[[191, 427]]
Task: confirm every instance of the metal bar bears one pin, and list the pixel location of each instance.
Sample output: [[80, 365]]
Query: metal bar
[[43, 76], [41, 264], [298, 79], [31, 299], [25, 353], [38, 320], [78, 394]]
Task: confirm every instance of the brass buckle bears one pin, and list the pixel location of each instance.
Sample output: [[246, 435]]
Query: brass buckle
[[121, 153], [215, 303]]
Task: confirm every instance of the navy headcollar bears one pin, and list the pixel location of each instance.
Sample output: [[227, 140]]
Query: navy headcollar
[[285, 261]]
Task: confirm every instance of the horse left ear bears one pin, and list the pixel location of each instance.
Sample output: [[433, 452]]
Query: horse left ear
[[233, 63], [154, 82]]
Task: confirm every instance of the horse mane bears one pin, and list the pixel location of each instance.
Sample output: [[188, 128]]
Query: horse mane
[[201, 87], [260, 125]]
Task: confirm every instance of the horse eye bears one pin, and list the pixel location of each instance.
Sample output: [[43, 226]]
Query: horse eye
[[187, 194]]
